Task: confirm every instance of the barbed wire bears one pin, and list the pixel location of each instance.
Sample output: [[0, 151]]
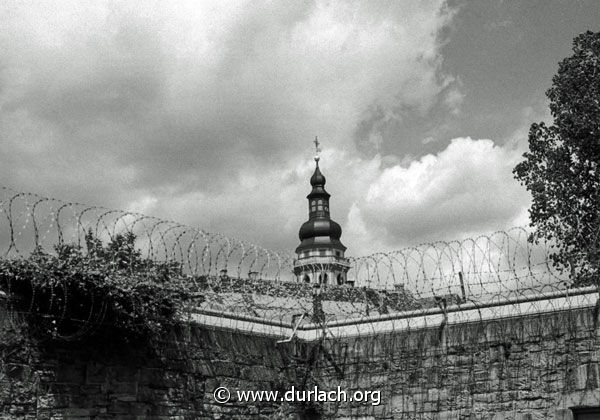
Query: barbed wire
[[242, 278], [436, 321], [30, 221], [503, 261]]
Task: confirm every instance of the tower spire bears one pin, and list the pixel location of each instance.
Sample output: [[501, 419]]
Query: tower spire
[[320, 255]]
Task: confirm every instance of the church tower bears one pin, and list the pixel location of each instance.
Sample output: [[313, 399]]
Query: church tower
[[320, 255]]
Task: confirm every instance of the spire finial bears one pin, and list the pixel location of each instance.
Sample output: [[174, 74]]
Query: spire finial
[[317, 149]]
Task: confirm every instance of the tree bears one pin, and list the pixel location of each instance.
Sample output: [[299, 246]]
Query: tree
[[562, 167]]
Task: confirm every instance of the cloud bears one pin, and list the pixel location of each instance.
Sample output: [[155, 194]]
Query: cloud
[[465, 189], [454, 98], [204, 113]]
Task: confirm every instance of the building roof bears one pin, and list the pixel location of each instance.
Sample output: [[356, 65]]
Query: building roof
[[319, 231]]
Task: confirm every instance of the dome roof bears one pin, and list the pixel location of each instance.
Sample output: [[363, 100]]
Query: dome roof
[[317, 178], [320, 227], [319, 231]]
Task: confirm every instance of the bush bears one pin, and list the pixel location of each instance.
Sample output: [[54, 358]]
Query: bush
[[100, 286]]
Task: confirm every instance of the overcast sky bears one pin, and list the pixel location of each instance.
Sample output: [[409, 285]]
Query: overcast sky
[[205, 112]]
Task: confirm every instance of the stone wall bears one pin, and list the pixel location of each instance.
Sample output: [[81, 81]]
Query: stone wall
[[174, 378], [380, 301], [525, 368], [533, 367]]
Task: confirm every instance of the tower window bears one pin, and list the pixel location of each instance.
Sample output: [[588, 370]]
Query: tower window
[[322, 252]]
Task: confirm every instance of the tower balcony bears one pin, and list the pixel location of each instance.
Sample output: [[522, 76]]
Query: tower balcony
[[322, 260]]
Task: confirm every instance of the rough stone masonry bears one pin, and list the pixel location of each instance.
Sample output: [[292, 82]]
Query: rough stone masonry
[[524, 367]]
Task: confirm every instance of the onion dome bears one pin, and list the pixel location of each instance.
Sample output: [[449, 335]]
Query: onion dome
[[319, 231], [317, 179], [320, 227]]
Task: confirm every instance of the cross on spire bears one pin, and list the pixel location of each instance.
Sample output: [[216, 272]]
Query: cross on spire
[[317, 149]]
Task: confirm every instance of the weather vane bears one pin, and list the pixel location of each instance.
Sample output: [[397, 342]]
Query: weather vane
[[317, 149]]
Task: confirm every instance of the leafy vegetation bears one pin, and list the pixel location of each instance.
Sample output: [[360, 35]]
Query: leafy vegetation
[[101, 286], [562, 167]]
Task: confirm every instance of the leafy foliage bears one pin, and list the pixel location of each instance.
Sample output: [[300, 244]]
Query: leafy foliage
[[561, 168], [100, 285]]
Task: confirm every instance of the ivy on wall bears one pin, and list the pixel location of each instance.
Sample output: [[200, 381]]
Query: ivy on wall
[[97, 285]]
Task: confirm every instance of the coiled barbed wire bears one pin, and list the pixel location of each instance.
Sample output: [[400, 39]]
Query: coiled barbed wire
[[500, 262], [493, 267], [438, 317], [30, 221]]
